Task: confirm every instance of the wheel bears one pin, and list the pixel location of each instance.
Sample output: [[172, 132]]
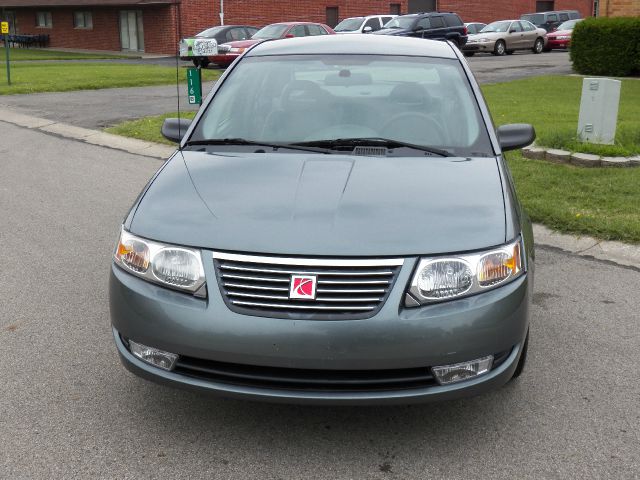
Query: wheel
[[499, 48], [523, 358], [469, 54], [509, 52], [538, 46]]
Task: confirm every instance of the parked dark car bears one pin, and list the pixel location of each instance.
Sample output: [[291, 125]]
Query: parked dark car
[[189, 47], [432, 25], [229, 51], [338, 226], [550, 20]]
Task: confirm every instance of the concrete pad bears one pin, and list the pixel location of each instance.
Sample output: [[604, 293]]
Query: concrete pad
[[21, 120], [558, 156], [534, 153], [69, 131], [585, 160], [121, 143], [615, 162]]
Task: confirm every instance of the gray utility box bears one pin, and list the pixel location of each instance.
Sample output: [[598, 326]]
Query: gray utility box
[[599, 110]]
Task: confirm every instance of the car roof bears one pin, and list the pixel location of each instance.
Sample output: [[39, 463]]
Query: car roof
[[355, 44], [295, 23]]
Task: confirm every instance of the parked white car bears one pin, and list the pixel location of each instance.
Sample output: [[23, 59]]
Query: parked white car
[[366, 24]]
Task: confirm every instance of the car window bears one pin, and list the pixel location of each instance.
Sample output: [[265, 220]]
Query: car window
[[316, 30], [527, 26], [236, 34], [385, 20], [453, 20], [209, 32], [564, 17], [424, 23], [298, 31], [401, 22], [552, 17], [252, 31], [501, 27], [272, 31], [437, 22], [349, 24], [298, 98], [374, 23], [535, 18], [515, 26]]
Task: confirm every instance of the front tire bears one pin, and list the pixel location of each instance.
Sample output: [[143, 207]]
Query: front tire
[[538, 46], [499, 48]]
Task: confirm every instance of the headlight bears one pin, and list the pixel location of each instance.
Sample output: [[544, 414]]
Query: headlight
[[236, 50], [444, 278], [484, 40], [176, 267]]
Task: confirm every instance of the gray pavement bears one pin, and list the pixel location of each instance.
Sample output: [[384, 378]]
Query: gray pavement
[[104, 108], [68, 409]]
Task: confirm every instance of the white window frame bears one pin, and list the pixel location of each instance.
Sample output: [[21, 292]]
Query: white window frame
[[46, 17], [87, 20]]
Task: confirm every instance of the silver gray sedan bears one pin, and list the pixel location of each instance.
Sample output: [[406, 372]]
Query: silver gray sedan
[[505, 37], [337, 226]]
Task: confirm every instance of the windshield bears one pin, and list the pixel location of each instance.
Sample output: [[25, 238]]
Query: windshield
[[270, 31], [349, 24], [496, 27], [568, 25], [305, 98], [535, 18], [209, 32], [400, 22]]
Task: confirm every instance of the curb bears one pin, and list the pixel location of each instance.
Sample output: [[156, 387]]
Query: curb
[[616, 252], [554, 155], [93, 137]]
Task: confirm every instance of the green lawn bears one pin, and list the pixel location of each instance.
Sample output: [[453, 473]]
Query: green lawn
[[19, 54], [62, 77], [147, 128], [552, 104]]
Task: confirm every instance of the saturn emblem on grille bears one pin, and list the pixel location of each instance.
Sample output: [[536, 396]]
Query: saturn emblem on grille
[[303, 287]]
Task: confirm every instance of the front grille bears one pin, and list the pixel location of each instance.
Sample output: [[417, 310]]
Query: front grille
[[345, 289], [305, 379]]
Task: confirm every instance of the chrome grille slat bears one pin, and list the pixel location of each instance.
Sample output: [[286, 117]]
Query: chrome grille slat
[[345, 288]]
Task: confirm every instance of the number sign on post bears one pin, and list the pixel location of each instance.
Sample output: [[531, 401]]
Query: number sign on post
[[194, 85]]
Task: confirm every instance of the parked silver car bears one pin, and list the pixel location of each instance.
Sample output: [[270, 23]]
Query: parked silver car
[[505, 37], [338, 226], [368, 24]]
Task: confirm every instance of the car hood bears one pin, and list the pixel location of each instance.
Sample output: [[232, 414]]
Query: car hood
[[337, 205], [559, 32], [243, 43]]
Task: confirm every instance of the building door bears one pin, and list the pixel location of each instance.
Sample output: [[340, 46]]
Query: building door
[[131, 30], [544, 6], [416, 6], [332, 16]]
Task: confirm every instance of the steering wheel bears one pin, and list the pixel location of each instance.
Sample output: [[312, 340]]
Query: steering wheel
[[414, 127]]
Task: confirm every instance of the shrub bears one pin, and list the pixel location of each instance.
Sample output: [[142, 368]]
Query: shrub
[[606, 46]]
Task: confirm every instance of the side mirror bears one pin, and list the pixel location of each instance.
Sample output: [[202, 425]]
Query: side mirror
[[513, 30], [173, 129], [367, 29], [515, 135], [289, 35]]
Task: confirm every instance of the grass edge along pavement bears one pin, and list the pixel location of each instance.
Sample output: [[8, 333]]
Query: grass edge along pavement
[[34, 77], [32, 54], [599, 202]]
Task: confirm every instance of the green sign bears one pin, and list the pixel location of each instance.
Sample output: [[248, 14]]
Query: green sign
[[194, 85]]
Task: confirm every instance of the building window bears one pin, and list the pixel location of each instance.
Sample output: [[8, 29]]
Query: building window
[[82, 20], [43, 20], [394, 8]]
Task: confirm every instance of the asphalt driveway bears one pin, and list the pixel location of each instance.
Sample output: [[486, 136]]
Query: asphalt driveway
[[68, 409]]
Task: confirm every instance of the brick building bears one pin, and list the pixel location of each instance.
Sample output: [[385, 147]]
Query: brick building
[[154, 26], [619, 8]]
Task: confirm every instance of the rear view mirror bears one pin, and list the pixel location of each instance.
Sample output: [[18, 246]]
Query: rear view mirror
[[173, 129], [515, 135], [367, 29]]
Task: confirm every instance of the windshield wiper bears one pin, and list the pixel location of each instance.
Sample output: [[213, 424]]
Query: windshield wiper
[[341, 143], [243, 141]]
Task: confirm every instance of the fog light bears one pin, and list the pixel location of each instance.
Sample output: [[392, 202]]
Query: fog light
[[158, 358], [447, 374]]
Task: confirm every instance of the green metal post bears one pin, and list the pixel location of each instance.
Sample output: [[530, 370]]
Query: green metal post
[[6, 47]]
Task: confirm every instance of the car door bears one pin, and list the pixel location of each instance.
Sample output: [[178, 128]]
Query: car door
[[373, 24], [423, 25], [438, 29], [515, 37], [530, 34]]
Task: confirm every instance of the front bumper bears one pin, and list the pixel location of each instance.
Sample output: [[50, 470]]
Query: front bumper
[[486, 47], [395, 338], [553, 43]]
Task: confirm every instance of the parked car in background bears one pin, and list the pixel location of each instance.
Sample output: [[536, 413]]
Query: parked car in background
[[339, 227], [561, 37], [474, 27], [368, 24], [432, 25], [506, 36], [550, 20], [228, 52], [205, 43]]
